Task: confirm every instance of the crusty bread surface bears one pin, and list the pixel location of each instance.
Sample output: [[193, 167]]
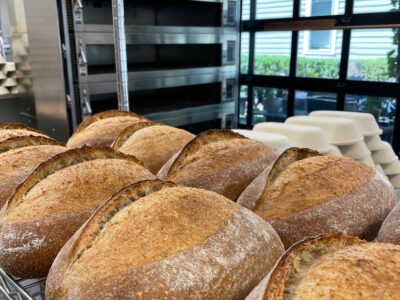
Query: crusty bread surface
[[102, 129], [11, 130], [334, 267], [153, 144], [155, 240], [55, 200], [319, 194], [19, 157], [221, 161], [390, 230]]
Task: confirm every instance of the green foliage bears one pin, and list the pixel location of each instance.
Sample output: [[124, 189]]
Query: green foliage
[[377, 69]]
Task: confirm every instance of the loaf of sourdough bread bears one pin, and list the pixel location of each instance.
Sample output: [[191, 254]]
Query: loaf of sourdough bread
[[11, 130], [153, 144], [334, 267], [390, 230], [103, 128], [219, 160], [55, 200], [307, 194], [154, 240], [19, 156]]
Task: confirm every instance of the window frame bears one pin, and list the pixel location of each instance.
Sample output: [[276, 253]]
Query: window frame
[[340, 86]]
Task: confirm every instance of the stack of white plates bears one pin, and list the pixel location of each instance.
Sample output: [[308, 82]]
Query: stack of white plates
[[275, 141]]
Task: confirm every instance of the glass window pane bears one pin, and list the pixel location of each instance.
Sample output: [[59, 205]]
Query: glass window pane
[[272, 53], [319, 53], [243, 104], [245, 10], [373, 55], [308, 101], [371, 6], [270, 104], [244, 52], [274, 9], [314, 8], [383, 109]]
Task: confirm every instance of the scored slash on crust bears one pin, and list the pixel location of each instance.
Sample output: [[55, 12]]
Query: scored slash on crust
[[61, 161], [201, 140], [11, 126], [109, 209], [129, 131], [27, 141], [105, 115]]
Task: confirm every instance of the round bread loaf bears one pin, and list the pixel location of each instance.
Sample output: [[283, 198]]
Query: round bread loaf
[[155, 240], [219, 160], [55, 200], [334, 267], [390, 230], [11, 130], [103, 128], [153, 144], [306, 194], [19, 156]]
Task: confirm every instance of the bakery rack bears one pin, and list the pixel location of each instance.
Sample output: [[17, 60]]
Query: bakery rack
[[21, 289]]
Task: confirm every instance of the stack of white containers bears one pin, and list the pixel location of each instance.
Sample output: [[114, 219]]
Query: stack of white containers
[[276, 141], [382, 154], [352, 134], [300, 136], [8, 83]]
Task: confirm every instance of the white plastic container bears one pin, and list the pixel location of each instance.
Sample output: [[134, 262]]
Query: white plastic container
[[374, 142], [392, 168], [276, 141], [379, 169], [9, 67], [367, 160], [357, 151], [339, 131], [299, 136], [365, 122], [333, 150], [384, 156], [395, 180], [2, 75]]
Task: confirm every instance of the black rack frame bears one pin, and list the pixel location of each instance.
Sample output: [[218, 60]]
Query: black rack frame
[[340, 86]]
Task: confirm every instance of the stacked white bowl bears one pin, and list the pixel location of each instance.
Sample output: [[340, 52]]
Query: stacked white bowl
[[300, 136], [8, 82], [276, 141], [383, 156]]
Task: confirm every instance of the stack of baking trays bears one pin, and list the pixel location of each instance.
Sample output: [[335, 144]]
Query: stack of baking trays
[[134, 209], [8, 82]]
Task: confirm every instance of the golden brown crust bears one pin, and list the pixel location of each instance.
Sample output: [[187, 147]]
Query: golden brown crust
[[390, 230], [105, 115], [11, 126], [26, 141], [152, 143], [11, 130], [197, 143], [50, 206], [128, 131], [60, 161], [252, 194], [175, 257], [103, 128], [309, 182], [19, 157], [336, 267], [220, 161], [299, 255]]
